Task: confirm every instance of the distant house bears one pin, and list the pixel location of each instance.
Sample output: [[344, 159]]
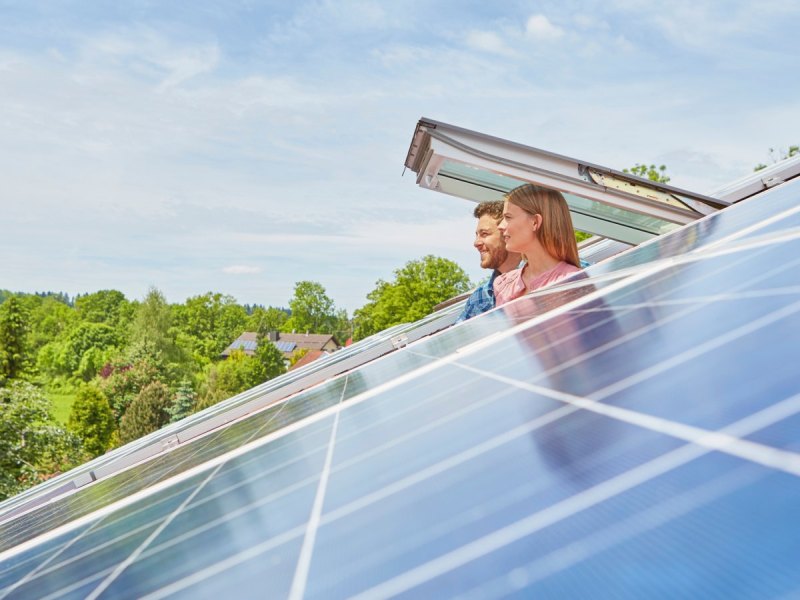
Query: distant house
[[287, 343]]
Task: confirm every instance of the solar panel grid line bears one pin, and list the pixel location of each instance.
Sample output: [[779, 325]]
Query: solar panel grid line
[[714, 343], [163, 525], [446, 464], [222, 566], [304, 560], [560, 511], [45, 569], [767, 456], [655, 516], [174, 540], [40, 568]]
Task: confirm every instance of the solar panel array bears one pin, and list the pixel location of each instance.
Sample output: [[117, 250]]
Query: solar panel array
[[631, 433], [243, 345], [286, 346]]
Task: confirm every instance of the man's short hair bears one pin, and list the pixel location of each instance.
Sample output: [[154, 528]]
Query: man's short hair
[[494, 208]]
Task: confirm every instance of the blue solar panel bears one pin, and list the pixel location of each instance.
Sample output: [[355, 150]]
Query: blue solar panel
[[286, 346], [631, 436]]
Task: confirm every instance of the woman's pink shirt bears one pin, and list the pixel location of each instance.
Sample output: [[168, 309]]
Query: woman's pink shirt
[[509, 286]]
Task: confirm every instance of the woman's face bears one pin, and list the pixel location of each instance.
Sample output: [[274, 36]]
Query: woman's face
[[518, 227]]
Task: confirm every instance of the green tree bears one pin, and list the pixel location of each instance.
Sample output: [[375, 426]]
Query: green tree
[[270, 359], [91, 420], [14, 358], [125, 378], [148, 412], [267, 319], [81, 339], [297, 355], [229, 377], [50, 320], [312, 310], [208, 323], [417, 288], [779, 155], [651, 172], [106, 306], [343, 327], [33, 447], [152, 324], [92, 361], [183, 402]]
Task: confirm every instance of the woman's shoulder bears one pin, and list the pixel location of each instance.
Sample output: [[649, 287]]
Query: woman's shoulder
[[566, 268], [560, 271], [503, 279]]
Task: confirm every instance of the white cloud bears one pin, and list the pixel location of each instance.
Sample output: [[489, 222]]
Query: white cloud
[[488, 41], [151, 54], [589, 22], [539, 27], [241, 270]]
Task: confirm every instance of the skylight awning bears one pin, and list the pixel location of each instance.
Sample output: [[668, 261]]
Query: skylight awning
[[602, 201]]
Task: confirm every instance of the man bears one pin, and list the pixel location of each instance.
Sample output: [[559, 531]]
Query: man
[[492, 248]]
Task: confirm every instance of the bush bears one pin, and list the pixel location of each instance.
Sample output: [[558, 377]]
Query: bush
[[33, 447], [91, 420], [148, 412]]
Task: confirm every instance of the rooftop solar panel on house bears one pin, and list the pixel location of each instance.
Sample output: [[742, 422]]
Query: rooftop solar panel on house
[[286, 346]]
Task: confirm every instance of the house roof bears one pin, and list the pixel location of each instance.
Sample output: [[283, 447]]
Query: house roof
[[309, 357], [286, 342]]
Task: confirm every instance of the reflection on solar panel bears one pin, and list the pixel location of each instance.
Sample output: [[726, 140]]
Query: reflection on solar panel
[[286, 346], [630, 433]]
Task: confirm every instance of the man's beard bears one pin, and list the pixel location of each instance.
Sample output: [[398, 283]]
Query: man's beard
[[494, 259]]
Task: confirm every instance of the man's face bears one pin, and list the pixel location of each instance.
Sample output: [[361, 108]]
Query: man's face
[[490, 243]]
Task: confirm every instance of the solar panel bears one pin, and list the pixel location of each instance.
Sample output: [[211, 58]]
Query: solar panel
[[632, 433], [286, 346]]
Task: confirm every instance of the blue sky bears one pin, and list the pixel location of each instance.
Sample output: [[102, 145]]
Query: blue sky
[[243, 146]]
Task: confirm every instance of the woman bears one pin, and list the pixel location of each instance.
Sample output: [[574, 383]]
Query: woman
[[536, 222]]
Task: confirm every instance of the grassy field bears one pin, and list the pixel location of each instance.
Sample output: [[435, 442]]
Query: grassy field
[[62, 404]]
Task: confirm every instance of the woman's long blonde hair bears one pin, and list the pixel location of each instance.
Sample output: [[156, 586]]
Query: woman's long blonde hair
[[556, 234]]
